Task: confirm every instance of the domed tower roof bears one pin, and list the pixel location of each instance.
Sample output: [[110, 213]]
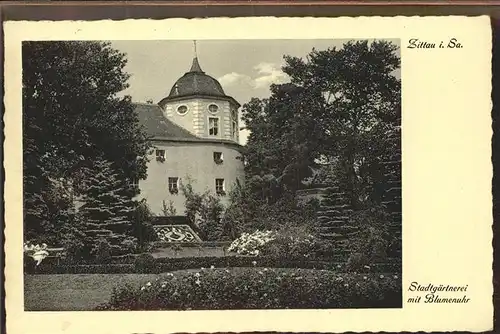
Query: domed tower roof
[[194, 83]]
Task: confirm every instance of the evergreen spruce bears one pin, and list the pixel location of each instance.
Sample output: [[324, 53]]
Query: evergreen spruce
[[333, 217], [107, 211]]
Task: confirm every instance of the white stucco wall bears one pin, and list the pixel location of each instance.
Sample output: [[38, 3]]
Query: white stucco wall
[[196, 119], [194, 161]]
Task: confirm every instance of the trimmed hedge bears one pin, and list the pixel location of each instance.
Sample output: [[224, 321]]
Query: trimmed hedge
[[160, 244], [82, 269], [146, 264], [216, 289]]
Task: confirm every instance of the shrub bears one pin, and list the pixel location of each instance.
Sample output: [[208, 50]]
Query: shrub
[[211, 224], [296, 242], [288, 242], [142, 228], [129, 245], [50, 269], [73, 249], [250, 210], [144, 263], [206, 212], [251, 243], [260, 288], [168, 209], [102, 251], [371, 243]]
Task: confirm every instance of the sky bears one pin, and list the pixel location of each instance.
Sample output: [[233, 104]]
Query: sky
[[244, 68]]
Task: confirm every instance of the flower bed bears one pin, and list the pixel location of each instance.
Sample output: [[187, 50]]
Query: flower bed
[[260, 288]]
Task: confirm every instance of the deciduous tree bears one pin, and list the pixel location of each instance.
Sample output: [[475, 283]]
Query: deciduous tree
[[358, 97], [72, 114], [337, 112]]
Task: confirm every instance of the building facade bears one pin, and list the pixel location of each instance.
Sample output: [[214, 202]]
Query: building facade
[[195, 133]]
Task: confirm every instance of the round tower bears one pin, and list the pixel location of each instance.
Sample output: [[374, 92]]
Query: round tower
[[196, 140], [198, 103]]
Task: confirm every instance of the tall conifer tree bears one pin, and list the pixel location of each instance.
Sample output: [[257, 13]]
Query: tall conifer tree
[[107, 210]]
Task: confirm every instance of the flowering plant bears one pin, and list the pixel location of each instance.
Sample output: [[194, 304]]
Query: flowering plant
[[37, 252], [263, 288], [250, 243]]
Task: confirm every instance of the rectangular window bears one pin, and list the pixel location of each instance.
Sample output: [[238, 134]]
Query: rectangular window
[[235, 129], [173, 185], [213, 126], [219, 187], [218, 158], [160, 155]]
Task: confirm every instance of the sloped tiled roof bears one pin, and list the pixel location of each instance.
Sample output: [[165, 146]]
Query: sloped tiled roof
[[156, 125]]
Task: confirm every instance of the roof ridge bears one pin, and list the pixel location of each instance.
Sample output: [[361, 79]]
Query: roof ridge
[[146, 104]]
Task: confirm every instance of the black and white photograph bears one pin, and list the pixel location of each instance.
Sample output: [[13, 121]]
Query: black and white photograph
[[265, 174], [211, 174]]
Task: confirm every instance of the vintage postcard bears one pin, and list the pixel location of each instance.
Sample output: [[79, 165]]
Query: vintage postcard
[[248, 174]]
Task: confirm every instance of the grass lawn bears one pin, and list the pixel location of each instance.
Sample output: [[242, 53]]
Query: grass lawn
[[77, 292], [74, 292], [84, 292]]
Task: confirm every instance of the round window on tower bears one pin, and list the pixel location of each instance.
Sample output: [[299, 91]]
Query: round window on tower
[[182, 110], [213, 108]]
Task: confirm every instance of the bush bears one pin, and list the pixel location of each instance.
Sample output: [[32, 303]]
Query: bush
[[102, 251], [144, 263], [129, 245], [51, 269], [289, 242], [251, 243], [73, 249], [260, 289], [371, 243], [142, 228], [206, 212], [250, 209], [298, 242]]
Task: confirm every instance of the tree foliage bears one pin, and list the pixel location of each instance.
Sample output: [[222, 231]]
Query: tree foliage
[[142, 224], [248, 212], [334, 115], [107, 210], [71, 115], [283, 141], [206, 212]]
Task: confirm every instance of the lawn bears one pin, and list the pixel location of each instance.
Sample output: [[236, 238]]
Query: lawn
[[74, 292], [77, 292]]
